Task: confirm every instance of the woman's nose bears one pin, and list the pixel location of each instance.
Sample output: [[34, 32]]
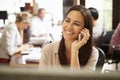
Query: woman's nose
[[70, 26]]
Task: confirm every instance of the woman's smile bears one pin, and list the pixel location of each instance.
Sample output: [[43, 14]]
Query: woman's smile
[[69, 32]]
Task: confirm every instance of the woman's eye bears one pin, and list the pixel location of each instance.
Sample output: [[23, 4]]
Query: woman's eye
[[77, 24], [67, 20]]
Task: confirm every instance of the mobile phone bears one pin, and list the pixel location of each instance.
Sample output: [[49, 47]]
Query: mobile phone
[[80, 36]]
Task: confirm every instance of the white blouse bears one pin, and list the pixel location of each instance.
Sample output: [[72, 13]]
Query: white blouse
[[50, 57], [9, 41]]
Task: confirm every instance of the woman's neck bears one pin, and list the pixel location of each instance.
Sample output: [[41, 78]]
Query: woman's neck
[[19, 26], [68, 45]]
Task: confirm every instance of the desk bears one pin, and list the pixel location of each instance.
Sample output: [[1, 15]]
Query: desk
[[26, 60]]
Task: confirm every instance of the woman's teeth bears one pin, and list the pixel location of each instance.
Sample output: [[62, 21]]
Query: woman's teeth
[[68, 32]]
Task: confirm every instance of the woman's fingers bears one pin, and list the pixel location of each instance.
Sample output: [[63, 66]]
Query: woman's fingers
[[86, 34], [85, 37]]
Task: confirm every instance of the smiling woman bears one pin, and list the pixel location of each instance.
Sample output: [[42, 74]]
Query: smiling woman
[[71, 52]]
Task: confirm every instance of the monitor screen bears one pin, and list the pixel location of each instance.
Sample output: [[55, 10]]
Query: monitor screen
[[3, 15]]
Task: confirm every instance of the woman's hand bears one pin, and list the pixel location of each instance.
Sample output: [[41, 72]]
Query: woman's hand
[[23, 47], [75, 48], [26, 46], [79, 43]]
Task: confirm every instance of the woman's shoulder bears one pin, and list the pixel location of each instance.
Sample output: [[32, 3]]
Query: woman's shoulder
[[94, 50], [53, 44], [11, 26]]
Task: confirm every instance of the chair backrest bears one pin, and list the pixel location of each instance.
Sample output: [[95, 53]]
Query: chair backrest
[[105, 43], [101, 60]]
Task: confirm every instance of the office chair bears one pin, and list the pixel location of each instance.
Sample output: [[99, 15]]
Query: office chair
[[113, 57], [105, 43], [101, 60]]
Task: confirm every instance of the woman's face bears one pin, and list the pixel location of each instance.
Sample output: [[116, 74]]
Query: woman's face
[[72, 25], [25, 25]]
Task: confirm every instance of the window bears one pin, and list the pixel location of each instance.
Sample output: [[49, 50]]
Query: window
[[105, 11]]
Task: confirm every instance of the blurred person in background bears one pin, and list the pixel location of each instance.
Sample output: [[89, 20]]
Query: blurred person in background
[[75, 49], [11, 41], [98, 30], [115, 40], [40, 26], [40, 29]]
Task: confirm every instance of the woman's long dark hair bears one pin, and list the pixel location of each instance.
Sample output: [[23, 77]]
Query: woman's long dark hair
[[84, 51]]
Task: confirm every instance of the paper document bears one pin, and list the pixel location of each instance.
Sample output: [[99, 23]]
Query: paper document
[[32, 54]]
